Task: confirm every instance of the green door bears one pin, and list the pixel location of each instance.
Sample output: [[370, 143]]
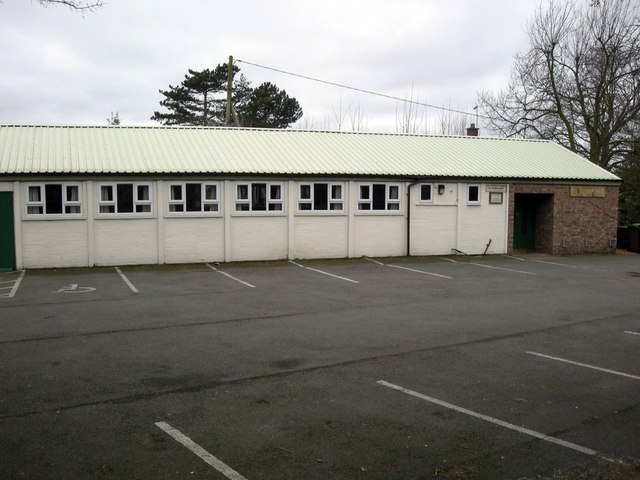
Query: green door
[[524, 225], [7, 241]]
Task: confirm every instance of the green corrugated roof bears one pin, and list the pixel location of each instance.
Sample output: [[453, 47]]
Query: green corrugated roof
[[29, 150]]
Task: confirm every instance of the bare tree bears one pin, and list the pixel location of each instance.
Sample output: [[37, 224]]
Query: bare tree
[[114, 119], [411, 119], [579, 82], [450, 122], [339, 115], [358, 119], [81, 5]]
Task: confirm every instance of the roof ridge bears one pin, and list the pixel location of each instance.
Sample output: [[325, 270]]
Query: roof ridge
[[270, 130]]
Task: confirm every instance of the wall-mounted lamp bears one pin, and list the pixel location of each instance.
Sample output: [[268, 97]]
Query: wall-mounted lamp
[[440, 189]]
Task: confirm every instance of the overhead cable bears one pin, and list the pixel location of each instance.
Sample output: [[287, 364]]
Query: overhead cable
[[361, 90]]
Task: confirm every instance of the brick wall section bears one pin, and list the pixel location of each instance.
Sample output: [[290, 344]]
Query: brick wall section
[[568, 225]]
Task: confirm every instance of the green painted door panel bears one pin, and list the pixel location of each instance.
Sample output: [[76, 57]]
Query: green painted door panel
[[524, 226], [7, 240]]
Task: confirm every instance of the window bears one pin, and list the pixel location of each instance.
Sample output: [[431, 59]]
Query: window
[[259, 197], [194, 198], [426, 193], [378, 196], [53, 199], [124, 198], [473, 194], [320, 197]]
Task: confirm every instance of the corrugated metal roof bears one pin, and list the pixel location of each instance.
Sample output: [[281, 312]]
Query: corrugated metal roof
[[30, 149]]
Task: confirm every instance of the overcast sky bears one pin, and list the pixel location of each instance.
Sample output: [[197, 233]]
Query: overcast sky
[[62, 67]]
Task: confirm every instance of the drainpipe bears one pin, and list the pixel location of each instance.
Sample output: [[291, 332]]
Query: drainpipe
[[415, 182]]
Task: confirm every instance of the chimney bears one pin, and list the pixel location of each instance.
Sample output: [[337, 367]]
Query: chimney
[[472, 131]]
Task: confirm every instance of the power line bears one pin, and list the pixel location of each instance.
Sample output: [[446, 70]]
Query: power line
[[361, 90]]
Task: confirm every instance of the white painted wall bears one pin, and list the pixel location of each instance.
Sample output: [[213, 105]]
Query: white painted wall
[[54, 243], [480, 223], [448, 222], [379, 235], [437, 227], [193, 240], [126, 242], [258, 238], [434, 225], [320, 236]]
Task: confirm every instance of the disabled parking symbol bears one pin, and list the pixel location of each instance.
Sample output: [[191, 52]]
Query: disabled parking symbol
[[74, 288]]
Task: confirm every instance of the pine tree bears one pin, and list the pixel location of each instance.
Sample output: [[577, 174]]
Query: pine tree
[[200, 100], [193, 102], [269, 107]]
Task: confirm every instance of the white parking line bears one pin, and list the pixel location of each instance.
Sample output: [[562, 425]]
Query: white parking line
[[219, 465], [420, 271], [517, 258], [15, 286], [324, 273], [228, 275], [126, 280], [374, 261], [628, 332], [486, 418], [592, 367], [448, 259], [500, 268], [554, 263]]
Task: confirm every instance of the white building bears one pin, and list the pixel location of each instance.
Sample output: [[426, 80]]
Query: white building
[[83, 196]]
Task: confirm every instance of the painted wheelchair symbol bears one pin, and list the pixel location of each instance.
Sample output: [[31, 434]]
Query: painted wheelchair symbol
[[74, 288]]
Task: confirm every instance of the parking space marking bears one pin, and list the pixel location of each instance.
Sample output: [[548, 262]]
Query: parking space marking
[[516, 258], [486, 418], [568, 266], [501, 268], [216, 463], [629, 332], [448, 259], [412, 269], [324, 273], [420, 271], [126, 280], [14, 287], [592, 367], [374, 261], [228, 275], [554, 263]]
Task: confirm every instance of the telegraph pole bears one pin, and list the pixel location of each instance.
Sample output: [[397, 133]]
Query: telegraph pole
[[229, 83]]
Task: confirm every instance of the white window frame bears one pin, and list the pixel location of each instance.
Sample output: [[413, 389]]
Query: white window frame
[[473, 202], [365, 204], [178, 207], [144, 204], [273, 205], [40, 204], [335, 203], [428, 201]]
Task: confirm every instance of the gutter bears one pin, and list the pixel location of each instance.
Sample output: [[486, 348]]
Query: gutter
[[412, 184]]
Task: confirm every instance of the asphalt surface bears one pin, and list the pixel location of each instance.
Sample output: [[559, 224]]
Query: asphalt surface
[[413, 368]]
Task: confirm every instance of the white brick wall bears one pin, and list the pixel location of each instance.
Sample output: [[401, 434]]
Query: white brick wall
[[54, 243], [437, 228], [126, 242], [193, 240], [258, 238], [450, 223], [480, 223], [320, 236], [379, 235]]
